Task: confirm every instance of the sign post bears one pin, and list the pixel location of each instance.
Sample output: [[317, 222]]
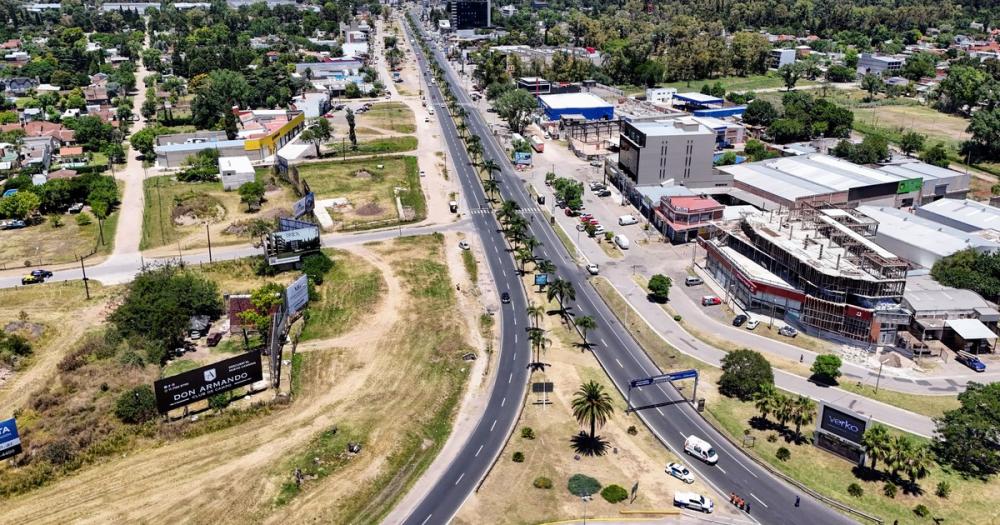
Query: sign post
[[10, 441], [201, 383], [652, 380]]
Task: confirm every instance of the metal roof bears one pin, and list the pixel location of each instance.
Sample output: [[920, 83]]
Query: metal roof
[[970, 329], [912, 170], [573, 100], [807, 175], [698, 98], [973, 215], [924, 233], [198, 146]]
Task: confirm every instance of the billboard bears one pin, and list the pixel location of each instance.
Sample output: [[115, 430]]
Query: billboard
[[201, 383], [10, 441], [842, 424], [289, 246], [286, 225], [522, 157], [297, 294], [541, 279], [304, 205], [908, 185]]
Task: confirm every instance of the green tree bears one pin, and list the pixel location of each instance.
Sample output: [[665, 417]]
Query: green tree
[[536, 336], [535, 313], [136, 405], [910, 142], [840, 74], [961, 89], [144, 140], [936, 155], [20, 205], [826, 368], [985, 130], [492, 188], [803, 413], [872, 83], [785, 130], [967, 437], [919, 65], [877, 443], [515, 108], [351, 133], [790, 74], [750, 52], [215, 96], [562, 291], [659, 287], [585, 323], [764, 399], [491, 166], [264, 299], [591, 404], [252, 193], [744, 371]]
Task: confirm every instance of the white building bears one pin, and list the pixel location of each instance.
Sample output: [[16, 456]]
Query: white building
[[780, 57], [660, 95], [235, 172], [963, 214], [922, 241]]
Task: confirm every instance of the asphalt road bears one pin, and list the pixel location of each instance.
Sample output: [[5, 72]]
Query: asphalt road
[[666, 413]]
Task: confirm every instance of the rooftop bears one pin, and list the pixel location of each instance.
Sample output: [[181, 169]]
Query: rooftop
[[977, 215], [692, 203], [928, 235], [677, 126], [912, 170], [808, 175], [573, 100], [198, 146], [237, 164], [970, 329], [754, 270], [698, 98]]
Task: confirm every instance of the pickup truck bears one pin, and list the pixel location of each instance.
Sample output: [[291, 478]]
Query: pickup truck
[[971, 361]]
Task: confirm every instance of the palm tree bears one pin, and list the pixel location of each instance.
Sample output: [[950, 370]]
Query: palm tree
[[764, 399], [517, 229], [901, 448], [535, 313], [545, 266], [507, 211], [803, 413], [877, 443], [538, 342], [531, 243], [591, 403], [490, 166], [561, 290], [523, 256], [918, 463], [491, 187], [461, 127], [475, 150], [783, 409], [585, 323]]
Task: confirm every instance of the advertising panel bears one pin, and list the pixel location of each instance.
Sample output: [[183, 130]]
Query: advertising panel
[[908, 185], [304, 205], [286, 225], [541, 279], [201, 383], [842, 424], [297, 294], [290, 246], [522, 157], [10, 441]]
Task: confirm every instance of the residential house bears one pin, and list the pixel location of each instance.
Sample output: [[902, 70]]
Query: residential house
[[96, 95], [62, 135], [19, 86], [71, 154]]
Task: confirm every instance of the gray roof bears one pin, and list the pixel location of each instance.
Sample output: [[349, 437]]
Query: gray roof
[[928, 235], [944, 299], [198, 146], [973, 215], [807, 175], [912, 170]]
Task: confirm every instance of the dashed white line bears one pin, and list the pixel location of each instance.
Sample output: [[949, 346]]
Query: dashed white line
[[515, 338], [504, 400], [493, 425], [515, 356], [603, 342], [426, 519], [758, 499], [720, 468], [619, 363], [480, 449], [515, 320], [661, 413], [509, 378], [462, 475]]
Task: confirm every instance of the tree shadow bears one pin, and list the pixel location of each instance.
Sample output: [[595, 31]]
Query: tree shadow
[[823, 381], [585, 445], [537, 366], [867, 474], [656, 299]]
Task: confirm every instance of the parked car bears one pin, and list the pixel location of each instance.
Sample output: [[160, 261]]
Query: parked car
[[753, 323], [627, 220], [599, 230], [32, 279], [693, 501], [680, 472], [603, 193], [692, 281], [463, 245], [505, 298], [593, 268], [44, 274], [710, 300], [596, 163], [739, 320], [971, 361], [621, 241], [76, 208], [12, 224], [213, 339], [788, 331], [700, 449]]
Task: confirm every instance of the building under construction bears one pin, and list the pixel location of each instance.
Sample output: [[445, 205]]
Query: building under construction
[[817, 266]]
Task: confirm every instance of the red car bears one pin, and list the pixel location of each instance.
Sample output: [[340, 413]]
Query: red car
[[586, 217], [710, 300], [570, 212]]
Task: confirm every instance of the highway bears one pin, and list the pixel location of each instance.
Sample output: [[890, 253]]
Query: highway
[[667, 415]]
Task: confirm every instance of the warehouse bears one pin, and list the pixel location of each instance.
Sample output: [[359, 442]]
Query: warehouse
[[922, 241], [962, 214], [939, 183], [591, 107]]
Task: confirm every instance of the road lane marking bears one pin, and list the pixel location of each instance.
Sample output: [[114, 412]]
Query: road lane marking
[[460, 478], [504, 400], [603, 342], [515, 321], [515, 337], [480, 449], [493, 425], [619, 363], [723, 471], [758, 499], [660, 411], [428, 518], [515, 356], [509, 378]]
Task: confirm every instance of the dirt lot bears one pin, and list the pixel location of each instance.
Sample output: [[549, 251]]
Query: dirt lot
[[44, 245], [177, 212]]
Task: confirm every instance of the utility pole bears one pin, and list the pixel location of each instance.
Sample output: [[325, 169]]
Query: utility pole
[[86, 285], [879, 378], [208, 233]]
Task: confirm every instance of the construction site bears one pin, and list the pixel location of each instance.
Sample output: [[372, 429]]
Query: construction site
[[818, 266]]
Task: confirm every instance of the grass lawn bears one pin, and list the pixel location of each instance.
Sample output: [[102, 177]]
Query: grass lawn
[[177, 212], [43, 244], [371, 191], [178, 366], [471, 266], [936, 126], [389, 116], [380, 146], [748, 83]]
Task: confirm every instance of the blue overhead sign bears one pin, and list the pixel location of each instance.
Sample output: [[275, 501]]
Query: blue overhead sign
[[10, 441], [673, 376]]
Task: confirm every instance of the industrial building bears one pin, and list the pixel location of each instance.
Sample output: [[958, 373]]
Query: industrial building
[[817, 266], [947, 317], [590, 107], [262, 133], [727, 133], [882, 65], [694, 100], [922, 241], [469, 14], [678, 150], [939, 183], [962, 214]]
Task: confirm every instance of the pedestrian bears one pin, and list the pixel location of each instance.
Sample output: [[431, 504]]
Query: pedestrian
[[800, 357], [748, 507], [796, 501], [732, 497]]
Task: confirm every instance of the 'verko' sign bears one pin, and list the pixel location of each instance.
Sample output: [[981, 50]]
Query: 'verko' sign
[[201, 383], [844, 425], [10, 441]]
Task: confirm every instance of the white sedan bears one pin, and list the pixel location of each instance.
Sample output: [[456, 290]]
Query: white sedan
[[680, 472]]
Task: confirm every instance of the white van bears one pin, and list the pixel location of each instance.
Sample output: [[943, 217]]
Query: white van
[[700, 449], [626, 220], [621, 241]]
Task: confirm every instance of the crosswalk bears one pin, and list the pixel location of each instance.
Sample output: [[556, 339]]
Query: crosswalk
[[522, 211]]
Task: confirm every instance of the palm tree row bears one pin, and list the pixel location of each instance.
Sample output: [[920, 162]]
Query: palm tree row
[[900, 453], [799, 410]]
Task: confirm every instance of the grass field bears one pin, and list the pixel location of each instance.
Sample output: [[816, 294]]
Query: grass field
[[370, 190], [42, 244], [749, 83], [378, 146], [177, 211], [388, 116]]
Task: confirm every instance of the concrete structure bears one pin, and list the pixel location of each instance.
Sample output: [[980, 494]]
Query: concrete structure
[[590, 106], [727, 133], [535, 85], [780, 57], [235, 172], [469, 14], [882, 65], [693, 100], [683, 218], [817, 178], [660, 95], [937, 308], [312, 105], [962, 214], [262, 134], [922, 241], [334, 67], [817, 267], [657, 152]]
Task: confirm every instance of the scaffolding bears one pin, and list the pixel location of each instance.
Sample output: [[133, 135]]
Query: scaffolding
[[593, 130]]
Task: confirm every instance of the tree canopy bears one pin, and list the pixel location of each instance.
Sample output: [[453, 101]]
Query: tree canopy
[[969, 437], [744, 372]]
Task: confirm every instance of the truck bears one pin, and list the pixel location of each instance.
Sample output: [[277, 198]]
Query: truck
[[537, 144], [971, 361]]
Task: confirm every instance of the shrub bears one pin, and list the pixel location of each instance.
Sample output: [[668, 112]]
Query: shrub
[[783, 454], [581, 485], [59, 452], [55, 221], [83, 219], [527, 433], [315, 266], [614, 493], [943, 489], [632, 430], [677, 317], [518, 457], [921, 510], [542, 482], [744, 372], [137, 405], [889, 489], [771, 438], [855, 490]]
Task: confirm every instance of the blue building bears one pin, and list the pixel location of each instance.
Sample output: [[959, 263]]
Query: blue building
[[591, 107]]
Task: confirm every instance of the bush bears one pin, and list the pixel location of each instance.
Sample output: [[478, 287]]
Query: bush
[[783, 454], [772, 438], [527, 433], [581, 485], [632, 430], [137, 405], [743, 373], [943, 489], [315, 266], [55, 221], [889, 489], [855, 490], [83, 219], [614, 493], [542, 483], [921, 510], [59, 452], [677, 318], [518, 457]]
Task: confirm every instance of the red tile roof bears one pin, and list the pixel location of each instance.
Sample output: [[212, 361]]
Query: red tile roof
[[62, 174], [71, 151], [692, 204]]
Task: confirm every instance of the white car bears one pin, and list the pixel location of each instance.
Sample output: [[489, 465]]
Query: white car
[[593, 269], [463, 245], [599, 230], [693, 501], [680, 472], [753, 323]]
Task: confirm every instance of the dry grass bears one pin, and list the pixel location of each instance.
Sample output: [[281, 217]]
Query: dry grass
[[937, 126], [42, 244], [389, 116]]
